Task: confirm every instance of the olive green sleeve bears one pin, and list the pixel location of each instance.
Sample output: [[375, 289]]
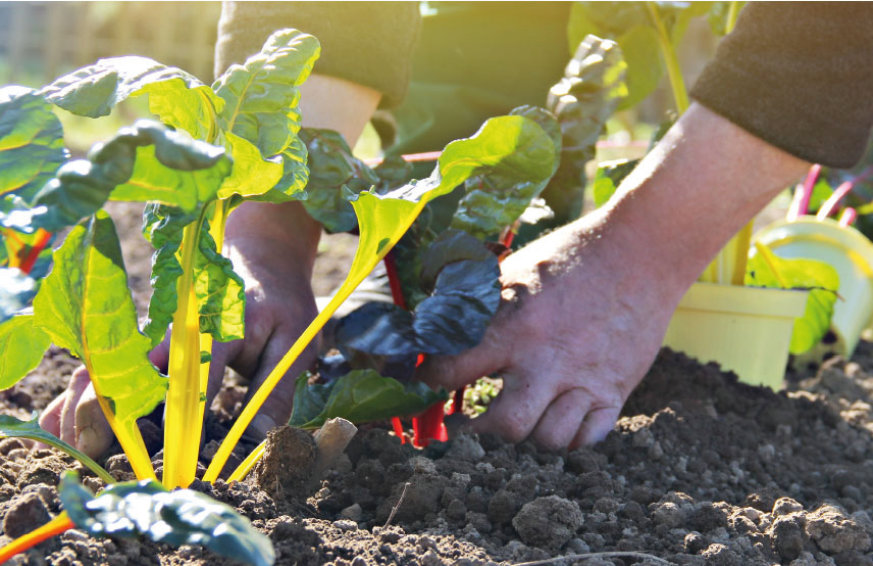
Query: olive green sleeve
[[799, 76], [368, 43]]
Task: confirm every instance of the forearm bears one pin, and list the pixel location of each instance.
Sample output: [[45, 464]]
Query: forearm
[[686, 199]]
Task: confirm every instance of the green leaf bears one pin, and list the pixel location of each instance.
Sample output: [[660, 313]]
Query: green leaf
[[184, 105], [335, 177], [146, 162], [85, 306], [182, 516], [609, 176], [512, 159], [21, 348], [95, 90], [262, 94], [220, 292], [766, 269], [31, 143], [162, 227], [17, 289], [14, 428], [360, 396], [252, 174]]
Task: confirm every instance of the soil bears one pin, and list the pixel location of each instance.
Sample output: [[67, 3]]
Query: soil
[[700, 469]]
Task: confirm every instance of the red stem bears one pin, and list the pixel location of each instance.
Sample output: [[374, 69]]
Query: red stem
[[802, 195], [394, 281], [42, 239]]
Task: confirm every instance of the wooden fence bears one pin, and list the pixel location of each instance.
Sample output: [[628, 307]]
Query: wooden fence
[[42, 40]]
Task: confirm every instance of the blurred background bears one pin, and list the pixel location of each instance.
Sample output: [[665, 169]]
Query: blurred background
[[40, 41]]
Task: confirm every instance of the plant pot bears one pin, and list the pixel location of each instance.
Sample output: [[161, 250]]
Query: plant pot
[[746, 330], [850, 253]]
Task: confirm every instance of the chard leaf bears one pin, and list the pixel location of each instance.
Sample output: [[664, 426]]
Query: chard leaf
[[261, 95], [145, 508], [14, 428], [220, 292], [766, 269], [162, 227], [96, 89], [359, 396], [21, 349], [463, 297], [146, 162], [583, 100], [252, 174], [455, 316], [335, 177], [17, 289], [31, 144], [85, 306], [184, 105], [499, 192], [295, 174]]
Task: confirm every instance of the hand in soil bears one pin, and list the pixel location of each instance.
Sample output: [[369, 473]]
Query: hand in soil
[[568, 358], [585, 308], [273, 249]]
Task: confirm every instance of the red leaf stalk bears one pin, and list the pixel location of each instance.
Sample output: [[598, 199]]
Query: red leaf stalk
[[800, 203]]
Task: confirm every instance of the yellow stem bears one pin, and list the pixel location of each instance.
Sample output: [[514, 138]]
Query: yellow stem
[[184, 417], [246, 466]]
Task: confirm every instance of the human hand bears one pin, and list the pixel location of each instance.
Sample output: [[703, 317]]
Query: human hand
[[273, 249], [576, 331]]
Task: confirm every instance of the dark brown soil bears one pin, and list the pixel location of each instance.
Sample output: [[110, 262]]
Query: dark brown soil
[[699, 470]]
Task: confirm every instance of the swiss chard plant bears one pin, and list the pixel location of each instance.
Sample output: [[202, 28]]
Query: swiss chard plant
[[209, 149]]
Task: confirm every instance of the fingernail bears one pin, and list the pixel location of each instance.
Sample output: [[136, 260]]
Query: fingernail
[[90, 442], [261, 424]]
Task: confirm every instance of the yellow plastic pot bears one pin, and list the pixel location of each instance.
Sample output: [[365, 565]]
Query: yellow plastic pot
[[849, 252], [746, 330]]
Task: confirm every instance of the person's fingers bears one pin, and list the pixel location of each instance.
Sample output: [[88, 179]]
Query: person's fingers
[[93, 434], [562, 419], [160, 354], [79, 381], [514, 413], [276, 410], [597, 424], [50, 418]]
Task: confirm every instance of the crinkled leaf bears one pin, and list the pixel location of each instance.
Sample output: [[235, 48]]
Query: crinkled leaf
[[379, 328], [360, 396], [31, 144], [184, 105], [17, 289], [261, 95], [182, 516], [15, 428], [85, 306], [766, 269], [252, 174], [163, 226], [462, 299], [295, 175], [96, 89], [497, 194], [583, 101], [450, 246], [146, 162], [21, 349], [335, 177], [455, 316], [220, 292]]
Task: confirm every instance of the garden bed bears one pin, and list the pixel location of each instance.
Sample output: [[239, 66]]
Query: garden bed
[[700, 469]]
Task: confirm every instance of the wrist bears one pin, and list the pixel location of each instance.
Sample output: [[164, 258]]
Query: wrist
[[275, 232]]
